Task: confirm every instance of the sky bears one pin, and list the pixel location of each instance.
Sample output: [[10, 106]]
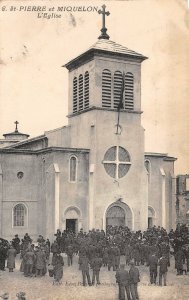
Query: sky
[[34, 85]]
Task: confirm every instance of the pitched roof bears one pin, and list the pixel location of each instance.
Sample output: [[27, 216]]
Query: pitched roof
[[111, 46], [104, 46]]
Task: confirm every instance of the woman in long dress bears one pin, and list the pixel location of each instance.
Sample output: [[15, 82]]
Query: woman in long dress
[[11, 254], [58, 263]]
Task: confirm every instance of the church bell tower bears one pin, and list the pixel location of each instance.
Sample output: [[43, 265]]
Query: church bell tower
[[104, 114]]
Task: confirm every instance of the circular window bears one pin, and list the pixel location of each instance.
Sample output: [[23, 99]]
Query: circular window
[[116, 162], [20, 175]]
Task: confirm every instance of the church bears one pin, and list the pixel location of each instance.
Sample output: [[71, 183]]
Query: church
[[94, 172]]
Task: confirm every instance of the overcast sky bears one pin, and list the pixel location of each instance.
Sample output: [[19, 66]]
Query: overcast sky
[[34, 86]]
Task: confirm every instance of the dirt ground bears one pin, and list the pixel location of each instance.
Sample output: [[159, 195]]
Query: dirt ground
[[42, 288]]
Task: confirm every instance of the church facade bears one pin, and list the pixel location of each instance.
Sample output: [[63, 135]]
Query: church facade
[[93, 172]]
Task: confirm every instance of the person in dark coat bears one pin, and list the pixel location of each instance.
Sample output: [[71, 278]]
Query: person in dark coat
[[165, 251], [186, 253], [179, 258], [163, 268], [128, 251], [16, 243], [55, 248], [29, 263], [134, 279], [111, 259], [84, 265], [105, 257], [69, 252], [40, 263], [3, 256], [117, 257], [11, 255], [96, 264], [48, 243], [58, 263], [91, 252], [153, 264], [27, 238], [123, 280], [142, 253], [82, 253], [136, 254]]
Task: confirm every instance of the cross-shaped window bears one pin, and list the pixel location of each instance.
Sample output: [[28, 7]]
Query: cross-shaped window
[[117, 162]]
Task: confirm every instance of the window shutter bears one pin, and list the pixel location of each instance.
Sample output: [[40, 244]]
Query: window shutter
[[81, 92], [129, 91], [75, 108], [106, 88], [86, 90], [118, 81]]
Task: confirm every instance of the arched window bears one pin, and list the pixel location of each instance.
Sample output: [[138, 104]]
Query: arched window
[[75, 108], [148, 168], [118, 82], [106, 88], [73, 169], [80, 92], [19, 215], [86, 90], [129, 91]]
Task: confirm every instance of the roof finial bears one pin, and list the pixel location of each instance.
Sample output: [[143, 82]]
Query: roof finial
[[16, 129], [104, 13]]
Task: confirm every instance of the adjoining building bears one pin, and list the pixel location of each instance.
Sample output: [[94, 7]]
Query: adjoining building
[[182, 199]]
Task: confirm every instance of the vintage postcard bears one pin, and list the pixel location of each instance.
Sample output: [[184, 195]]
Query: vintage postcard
[[94, 149]]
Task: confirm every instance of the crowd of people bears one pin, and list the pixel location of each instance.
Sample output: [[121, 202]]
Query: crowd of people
[[151, 248]]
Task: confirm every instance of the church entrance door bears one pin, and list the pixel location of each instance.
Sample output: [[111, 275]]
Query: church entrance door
[[115, 216], [150, 222], [71, 225], [151, 215]]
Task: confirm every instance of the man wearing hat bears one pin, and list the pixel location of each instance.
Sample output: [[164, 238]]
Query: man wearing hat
[[84, 266], [96, 264], [134, 279], [123, 280], [16, 243], [153, 264], [163, 268]]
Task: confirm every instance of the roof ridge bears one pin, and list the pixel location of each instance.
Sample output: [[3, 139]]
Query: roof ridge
[[120, 48]]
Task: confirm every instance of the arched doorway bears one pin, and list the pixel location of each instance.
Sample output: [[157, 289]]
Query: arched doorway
[[119, 214], [115, 216], [151, 216], [72, 217]]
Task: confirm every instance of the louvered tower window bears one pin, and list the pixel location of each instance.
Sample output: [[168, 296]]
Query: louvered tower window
[[118, 81], [75, 108], [106, 88], [81, 93], [86, 90], [129, 91]]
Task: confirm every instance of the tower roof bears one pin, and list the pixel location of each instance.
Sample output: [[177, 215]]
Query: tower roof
[[110, 46], [104, 46]]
